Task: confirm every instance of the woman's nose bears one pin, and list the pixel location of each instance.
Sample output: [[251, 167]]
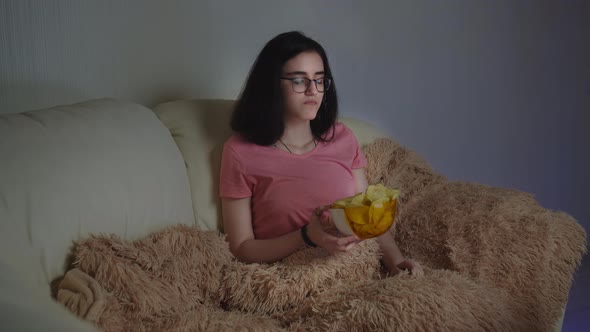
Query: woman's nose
[[312, 90]]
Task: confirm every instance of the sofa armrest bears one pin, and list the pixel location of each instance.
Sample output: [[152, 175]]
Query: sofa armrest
[[491, 232], [468, 227], [497, 236]]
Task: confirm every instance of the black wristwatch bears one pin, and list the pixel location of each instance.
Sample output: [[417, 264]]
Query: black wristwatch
[[306, 238]]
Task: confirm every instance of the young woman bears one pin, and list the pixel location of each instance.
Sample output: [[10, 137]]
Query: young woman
[[289, 159]]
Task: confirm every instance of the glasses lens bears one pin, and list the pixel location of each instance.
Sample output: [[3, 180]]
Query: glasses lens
[[324, 84], [300, 84]]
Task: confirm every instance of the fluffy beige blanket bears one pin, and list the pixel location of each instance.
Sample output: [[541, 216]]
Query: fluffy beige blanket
[[496, 261]]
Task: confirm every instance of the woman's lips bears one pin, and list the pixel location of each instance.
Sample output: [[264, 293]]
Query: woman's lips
[[311, 102]]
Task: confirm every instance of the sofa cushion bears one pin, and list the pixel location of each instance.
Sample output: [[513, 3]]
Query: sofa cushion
[[200, 127], [99, 166], [23, 308]]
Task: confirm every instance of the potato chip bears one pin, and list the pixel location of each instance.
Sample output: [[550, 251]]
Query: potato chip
[[371, 213], [358, 199]]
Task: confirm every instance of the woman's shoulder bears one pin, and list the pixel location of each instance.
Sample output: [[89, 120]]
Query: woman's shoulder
[[239, 144], [342, 131], [342, 127]]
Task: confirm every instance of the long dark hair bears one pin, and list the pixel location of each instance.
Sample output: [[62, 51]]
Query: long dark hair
[[258, 115]]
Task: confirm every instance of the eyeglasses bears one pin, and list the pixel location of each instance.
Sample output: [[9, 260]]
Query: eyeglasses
[[301, 84]]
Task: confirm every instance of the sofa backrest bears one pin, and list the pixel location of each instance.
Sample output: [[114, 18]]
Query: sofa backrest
[[200, 127], [101, 166]]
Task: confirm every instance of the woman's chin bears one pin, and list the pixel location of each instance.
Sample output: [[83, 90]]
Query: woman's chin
[[311, 113], [306, 114], [311, 116]]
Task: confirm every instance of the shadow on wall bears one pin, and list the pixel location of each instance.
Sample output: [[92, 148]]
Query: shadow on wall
[[160, 97], [18, 97], [178, 91]]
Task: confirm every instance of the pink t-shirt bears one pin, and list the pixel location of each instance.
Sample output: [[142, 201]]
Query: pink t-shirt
[[285, 188]]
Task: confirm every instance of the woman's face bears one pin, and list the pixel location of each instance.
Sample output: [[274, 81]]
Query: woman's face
[[304, 105]]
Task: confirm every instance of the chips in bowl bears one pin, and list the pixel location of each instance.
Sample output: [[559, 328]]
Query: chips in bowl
[[367, 214]]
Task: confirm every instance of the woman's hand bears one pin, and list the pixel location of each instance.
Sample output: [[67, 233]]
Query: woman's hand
[[414, 267], [318, 231]]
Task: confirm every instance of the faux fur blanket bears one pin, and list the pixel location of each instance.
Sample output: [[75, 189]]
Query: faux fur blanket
[[495, 261]]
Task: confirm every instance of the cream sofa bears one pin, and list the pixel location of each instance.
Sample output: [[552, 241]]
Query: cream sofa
[[101, 166]]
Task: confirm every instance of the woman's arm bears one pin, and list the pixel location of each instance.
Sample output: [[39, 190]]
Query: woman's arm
[[392, 256], [393, 259], [237, 224]]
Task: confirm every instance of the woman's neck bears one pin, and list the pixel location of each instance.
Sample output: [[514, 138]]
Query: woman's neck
[[297, 133]]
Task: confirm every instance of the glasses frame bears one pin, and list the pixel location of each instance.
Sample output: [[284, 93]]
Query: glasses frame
[[308, 83]]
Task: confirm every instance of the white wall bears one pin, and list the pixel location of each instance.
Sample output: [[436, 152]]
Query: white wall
[[496, 92]]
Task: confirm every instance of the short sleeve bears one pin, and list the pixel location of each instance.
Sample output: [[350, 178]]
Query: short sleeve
[[232, 179], [359, 160]]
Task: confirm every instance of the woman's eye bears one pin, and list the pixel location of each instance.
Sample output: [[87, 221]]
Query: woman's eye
[[320, 81], [298, 81]]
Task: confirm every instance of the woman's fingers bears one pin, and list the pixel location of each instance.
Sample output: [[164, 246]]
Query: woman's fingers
[[414, 267], [349, 246], [320, 210], [347, 240], [328, 231], [326, 222], [417, 270], [340, 244]]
